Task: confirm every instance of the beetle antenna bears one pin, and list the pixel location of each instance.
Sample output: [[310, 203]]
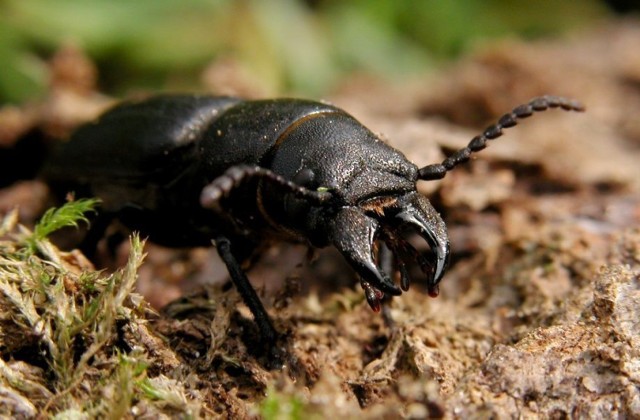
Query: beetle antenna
[[542, 103], [223, 185]]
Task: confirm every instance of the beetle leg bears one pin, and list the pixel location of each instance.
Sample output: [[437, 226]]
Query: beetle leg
[[248, 293], [223, 185]]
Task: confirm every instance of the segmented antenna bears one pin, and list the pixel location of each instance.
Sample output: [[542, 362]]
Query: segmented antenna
[[223, 185], [439, 170]]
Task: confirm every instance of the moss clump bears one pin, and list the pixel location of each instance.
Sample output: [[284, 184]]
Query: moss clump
[[63, 344]]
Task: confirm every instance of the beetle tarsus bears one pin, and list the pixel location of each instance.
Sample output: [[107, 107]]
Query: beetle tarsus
[[542, 103]]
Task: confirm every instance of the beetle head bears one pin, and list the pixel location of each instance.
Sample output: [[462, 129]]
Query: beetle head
[[373, 205]]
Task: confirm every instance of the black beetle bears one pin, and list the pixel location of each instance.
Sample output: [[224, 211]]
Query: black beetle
[[189, 170]]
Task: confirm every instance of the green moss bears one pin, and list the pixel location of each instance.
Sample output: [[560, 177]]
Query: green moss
[[278, 406], [69, 215]]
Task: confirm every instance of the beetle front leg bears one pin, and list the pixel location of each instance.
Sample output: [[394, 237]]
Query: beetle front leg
[[250, 297]]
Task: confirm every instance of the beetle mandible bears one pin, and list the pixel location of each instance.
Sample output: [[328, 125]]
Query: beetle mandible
[[188, 170]]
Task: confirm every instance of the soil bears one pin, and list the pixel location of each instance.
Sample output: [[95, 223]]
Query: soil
[[539, 314]]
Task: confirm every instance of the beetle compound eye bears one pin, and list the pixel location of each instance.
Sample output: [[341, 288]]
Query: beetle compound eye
[[306, 178]]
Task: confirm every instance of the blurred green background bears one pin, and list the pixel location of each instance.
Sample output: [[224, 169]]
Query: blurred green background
[[292, 46]]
